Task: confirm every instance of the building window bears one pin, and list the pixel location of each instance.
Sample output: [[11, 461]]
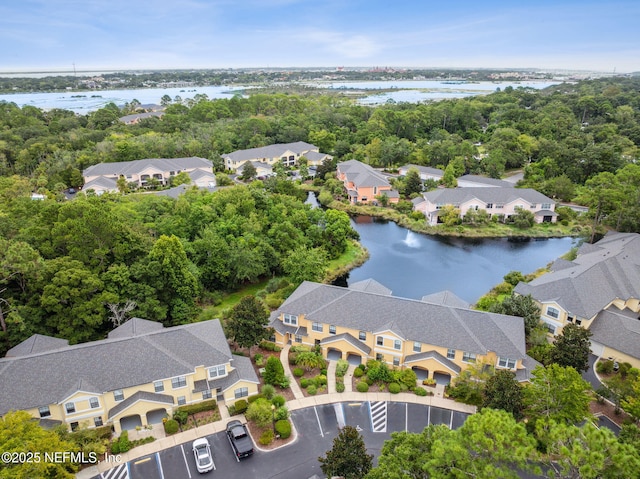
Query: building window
[[553, 312], [180, 382], [417, 347], [451, 353], [217, 371], [158, 386], [241, 393], [379, 357], [74, 426], [332, 329], [182, 400], [380, 341], [44, 411], [97, 421], [319, 327], [298, 338], [468, 357], [94, 403], [291, 319], [506, 363], [489, 206], [207, 394], [545, 206], [396, 361], [499, 206], [362, 336], [118, 395], [397, 344], [70, 408], [550, 327]]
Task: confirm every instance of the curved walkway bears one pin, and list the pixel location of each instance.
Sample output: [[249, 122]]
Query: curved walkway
[[300, 402]]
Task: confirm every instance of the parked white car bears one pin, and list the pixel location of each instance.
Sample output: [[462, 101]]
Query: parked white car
[[202, 453]]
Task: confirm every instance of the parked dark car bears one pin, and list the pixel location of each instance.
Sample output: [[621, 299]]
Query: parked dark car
[[239, 439]]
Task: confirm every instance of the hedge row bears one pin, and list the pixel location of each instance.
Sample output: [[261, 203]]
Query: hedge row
[[208, 405]]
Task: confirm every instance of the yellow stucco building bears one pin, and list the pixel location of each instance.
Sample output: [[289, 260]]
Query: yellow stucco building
[[135, 377]]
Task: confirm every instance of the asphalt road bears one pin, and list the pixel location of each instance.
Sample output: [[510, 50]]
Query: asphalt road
[[316, 427]]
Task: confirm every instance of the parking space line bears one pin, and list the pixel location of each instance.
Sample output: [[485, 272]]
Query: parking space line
[[428, 415], [337, 407], [160, 466], [186, 464], [318, 418], [451, 420]]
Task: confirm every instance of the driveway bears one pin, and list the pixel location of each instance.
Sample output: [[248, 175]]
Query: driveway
[[590, 374]]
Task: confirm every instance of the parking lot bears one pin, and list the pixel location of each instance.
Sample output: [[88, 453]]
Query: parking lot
[[316, 428]]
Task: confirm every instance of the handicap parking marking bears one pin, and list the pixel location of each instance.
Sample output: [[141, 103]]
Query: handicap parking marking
[[378, 414], [120, 472]]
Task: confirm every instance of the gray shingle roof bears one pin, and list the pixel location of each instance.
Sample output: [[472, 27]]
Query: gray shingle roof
[[348, 338], [362, 175], [243, 371], [139, 396], [483, 180], [270, 151], [463, 329], [135, 327], [115, 363], [134, 167], [486, 195], [101, 183], [446, 298], [370, 286], [598, 276], [37, 343], [433, 355], [617, 329]]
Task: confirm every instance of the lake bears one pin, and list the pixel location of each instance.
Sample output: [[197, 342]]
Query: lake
[[412, 264], [84, 102]]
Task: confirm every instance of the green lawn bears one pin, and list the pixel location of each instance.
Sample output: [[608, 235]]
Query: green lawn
[[229, 300]]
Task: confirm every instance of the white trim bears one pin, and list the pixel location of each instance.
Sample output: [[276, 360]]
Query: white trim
[[166, 404], [435, 359]]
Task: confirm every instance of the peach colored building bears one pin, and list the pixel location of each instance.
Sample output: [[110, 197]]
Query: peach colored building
[[363, 183]]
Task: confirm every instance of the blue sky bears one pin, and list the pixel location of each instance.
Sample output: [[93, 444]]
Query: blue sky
[[145, 34]]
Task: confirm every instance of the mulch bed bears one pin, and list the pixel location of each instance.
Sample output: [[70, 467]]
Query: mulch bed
[[256, 432]]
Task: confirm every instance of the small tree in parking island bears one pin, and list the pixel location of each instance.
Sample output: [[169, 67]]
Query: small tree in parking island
[[348, 457]]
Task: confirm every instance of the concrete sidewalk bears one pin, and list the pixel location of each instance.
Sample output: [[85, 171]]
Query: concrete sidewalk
[[300, 403]]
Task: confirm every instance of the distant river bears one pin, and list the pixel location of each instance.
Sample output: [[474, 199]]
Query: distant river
[[413, 265], [407, 91]]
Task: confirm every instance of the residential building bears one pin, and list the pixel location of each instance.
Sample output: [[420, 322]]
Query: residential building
[[501, 202], [426, 172], [476, 181], [135, 118], [103, 177], [363, 183], [135, 377], [286, 153], [366, 322], [599, 290]]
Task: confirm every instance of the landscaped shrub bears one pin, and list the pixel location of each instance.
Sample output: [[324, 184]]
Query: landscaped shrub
[[241, 406], [122, 444], [258, 359], [281, 413], [358, 373], [304, 382], [361, 367], [260, 412], [310, 360], [208, 405], [406, 378], [394, 388], [362, 387], [278, 400], [266, 437], [274, 372], [320, 380], [312, 390], [181, 417], [429, 382], [270, 346], [171, 427], [379, 372], [340, 387], [341, 368], [323, 371], [268, 391], [254, 398], [298, 372], [605, 366], [420, 391], [283, 428], [368, 380]]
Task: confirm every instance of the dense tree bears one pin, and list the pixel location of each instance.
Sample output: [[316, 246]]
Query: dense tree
[[20, 434], [348, 457], [557, 393], [520, 305], [412, 182], [246, 323], [248, 171], [305, 264], [572, 347], [502, 391]]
